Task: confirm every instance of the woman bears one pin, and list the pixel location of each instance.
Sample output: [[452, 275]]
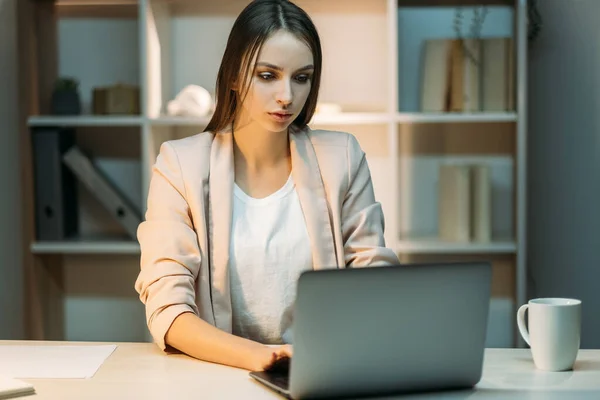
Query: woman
[[238, 212]]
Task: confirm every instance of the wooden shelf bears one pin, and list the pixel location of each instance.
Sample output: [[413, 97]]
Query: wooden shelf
[[417, 117], [454, 3], [319, 119], [87, 246], [97, 8], [351, 119], [436, 246], [180, 121], [323, 119], [92, 3], [85, 120]]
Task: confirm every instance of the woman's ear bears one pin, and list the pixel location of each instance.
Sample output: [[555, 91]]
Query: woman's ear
[[237, 84]]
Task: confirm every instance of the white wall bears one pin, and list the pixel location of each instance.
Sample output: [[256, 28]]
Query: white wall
[[11, 276], [564, 158]]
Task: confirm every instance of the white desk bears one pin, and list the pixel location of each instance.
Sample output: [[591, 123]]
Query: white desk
[[142, 371]]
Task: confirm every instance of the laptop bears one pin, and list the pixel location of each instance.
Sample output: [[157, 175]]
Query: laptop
[[386, 330]]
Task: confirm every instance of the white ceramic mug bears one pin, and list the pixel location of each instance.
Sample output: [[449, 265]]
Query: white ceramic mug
[[554, 331]]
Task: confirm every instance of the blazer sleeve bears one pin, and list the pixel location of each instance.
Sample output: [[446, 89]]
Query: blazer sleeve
[[362, 216], [170, 255]]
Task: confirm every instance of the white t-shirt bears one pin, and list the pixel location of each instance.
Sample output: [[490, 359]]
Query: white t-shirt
[[269, 250]]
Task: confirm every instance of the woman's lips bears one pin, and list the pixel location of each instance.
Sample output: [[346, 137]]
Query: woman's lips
[[280, 117]]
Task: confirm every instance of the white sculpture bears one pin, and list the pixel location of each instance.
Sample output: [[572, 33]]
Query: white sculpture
[[191, 101]]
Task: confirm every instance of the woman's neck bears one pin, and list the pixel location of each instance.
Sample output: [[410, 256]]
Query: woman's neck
[[256, 149]]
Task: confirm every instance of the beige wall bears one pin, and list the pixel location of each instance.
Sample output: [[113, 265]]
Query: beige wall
[[11, 293]]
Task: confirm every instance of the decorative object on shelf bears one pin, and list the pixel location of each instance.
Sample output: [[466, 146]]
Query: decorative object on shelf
[[465, 75], [101, 188], [479, 14], [465, 204], [117, 99], [192, 101], [65, 97], [56, 199], [466, 62], [534, 21]]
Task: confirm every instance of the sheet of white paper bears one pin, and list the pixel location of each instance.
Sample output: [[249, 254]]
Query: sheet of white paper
[[55, 361]]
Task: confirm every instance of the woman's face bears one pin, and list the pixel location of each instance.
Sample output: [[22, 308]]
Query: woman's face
[[280, 84]]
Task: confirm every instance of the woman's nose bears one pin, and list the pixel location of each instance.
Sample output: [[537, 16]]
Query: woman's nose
[[284, 93]]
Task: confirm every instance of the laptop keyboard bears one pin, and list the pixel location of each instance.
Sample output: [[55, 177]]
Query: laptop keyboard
[[278, 373]]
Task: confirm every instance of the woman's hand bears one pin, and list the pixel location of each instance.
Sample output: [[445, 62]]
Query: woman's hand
[[270, 354]]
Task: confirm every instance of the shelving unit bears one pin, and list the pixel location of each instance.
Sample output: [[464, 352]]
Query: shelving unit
[[333, 119], [86, 246], [179, 121], [84, 121], [404, 118], [436, 246], [176, 43]]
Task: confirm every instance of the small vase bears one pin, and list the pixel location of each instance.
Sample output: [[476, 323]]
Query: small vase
[[66, 102]]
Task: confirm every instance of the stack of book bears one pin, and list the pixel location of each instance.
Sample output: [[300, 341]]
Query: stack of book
[[465, 203], [468, 75]]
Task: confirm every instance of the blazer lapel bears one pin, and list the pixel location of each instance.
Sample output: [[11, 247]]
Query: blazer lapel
[[220, 210], [311, 193]]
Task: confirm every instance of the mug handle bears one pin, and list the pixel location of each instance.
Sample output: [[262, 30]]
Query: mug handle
[[521, 322]]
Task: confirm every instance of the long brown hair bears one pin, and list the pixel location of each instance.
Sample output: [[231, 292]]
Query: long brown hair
[[259, 20]]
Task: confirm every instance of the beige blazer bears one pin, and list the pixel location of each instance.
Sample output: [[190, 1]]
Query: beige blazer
[[185, 236]]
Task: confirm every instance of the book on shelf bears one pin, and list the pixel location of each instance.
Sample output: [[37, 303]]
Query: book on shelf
[[464, 203], [481, 198], [468, 75], [498, 80], [454, 203], [435, 84]]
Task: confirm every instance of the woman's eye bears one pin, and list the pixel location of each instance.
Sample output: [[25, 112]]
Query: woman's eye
[[302, 78], [266, 76]]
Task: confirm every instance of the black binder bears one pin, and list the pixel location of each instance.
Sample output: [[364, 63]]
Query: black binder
[[56, 203]]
